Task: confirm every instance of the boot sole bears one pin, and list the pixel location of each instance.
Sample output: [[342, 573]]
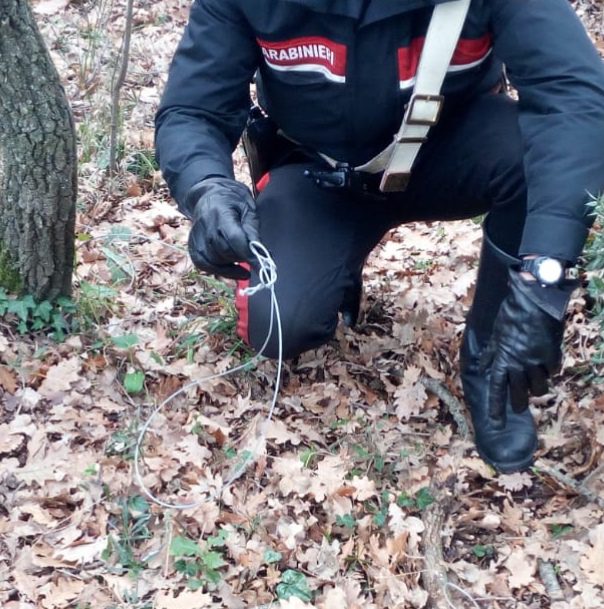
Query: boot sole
[[511, 468]]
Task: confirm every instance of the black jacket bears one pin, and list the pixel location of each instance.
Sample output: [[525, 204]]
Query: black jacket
[[336, 77]]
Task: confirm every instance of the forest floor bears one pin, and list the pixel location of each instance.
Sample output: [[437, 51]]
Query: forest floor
[[365, 491]]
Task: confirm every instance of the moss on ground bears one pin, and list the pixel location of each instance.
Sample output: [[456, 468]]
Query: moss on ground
[[10, 279]]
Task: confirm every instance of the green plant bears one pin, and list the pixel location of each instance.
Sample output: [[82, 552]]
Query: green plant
[[62, 316], [379, 462], [132, 527], [134, 382], [142, 163], [347, 521], [594, 254], [93, 35], [559, 530], [481, 551], [217, 317], [9, 275], [187, 344], [423, 264], [230, 452], [225, 324], [26, 315], [121, 443], [308, 455], [422, 499], [272, 556], [379, 510], [93, 141], [293, 583], [215, 288], [199, 564], [95, 303]]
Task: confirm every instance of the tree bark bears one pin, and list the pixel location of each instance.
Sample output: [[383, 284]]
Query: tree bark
[[38, 158]]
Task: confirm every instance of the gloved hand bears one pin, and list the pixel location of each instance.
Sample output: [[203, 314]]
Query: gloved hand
[[525, 345], [224, 222]]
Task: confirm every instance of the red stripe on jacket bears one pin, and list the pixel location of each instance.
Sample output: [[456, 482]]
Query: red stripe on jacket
[[467, 52]]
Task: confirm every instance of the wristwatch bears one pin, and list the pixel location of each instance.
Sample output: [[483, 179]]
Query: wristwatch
[[547, 271]]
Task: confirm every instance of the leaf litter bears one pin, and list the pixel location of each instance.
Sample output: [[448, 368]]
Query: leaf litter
[[334, 511]]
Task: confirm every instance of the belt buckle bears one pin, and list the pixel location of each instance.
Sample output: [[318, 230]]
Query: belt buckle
[[420, 97], [394, 182], [337, 177]]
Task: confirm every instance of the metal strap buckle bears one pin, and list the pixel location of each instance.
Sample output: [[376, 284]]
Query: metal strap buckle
[[435, 104], [394, 182]]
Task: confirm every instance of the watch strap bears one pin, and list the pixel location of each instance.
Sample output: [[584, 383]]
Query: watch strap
[[553, 300]]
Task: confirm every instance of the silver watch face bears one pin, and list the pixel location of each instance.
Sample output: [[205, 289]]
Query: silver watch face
[[549, 270]]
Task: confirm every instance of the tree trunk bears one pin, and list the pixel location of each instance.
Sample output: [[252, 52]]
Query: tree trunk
[[38, 159]]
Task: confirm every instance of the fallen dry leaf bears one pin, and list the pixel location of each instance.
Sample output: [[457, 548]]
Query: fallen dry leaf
[[515, 482], [521, 568], [60, 377], [8, 379], [62, 593], [593, 561]]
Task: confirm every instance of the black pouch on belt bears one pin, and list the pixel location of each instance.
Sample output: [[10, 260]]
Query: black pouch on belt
[[263, 145]]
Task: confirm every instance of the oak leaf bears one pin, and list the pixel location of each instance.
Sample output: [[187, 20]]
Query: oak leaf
[[593, 560], [345, 595], [61, 377], [8, 379], [277, 430], [478, 578], [515, 482], [521, 569], [410, 396], [62, 593]]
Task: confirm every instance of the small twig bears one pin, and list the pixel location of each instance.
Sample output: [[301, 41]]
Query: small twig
[[567, 481], [451, 402], [170, 526], [117, 87], [550, 581], [435, 578]]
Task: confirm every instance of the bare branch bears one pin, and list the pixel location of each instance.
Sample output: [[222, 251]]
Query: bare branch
[[118, 83]]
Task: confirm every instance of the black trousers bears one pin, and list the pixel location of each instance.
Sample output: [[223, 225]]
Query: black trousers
[[320, 238]]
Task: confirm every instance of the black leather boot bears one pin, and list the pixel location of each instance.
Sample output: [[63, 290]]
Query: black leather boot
[[508, 443]]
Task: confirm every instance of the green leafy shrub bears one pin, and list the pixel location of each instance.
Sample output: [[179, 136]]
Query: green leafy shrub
[[200, 565], [60, 317], [595, 265], [130, 529], [27, 315]]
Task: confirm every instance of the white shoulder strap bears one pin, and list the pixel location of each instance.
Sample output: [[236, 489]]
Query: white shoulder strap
[[426, 101]]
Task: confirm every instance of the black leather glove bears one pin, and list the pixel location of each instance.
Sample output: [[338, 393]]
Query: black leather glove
[[525, 346], [224, 222]]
